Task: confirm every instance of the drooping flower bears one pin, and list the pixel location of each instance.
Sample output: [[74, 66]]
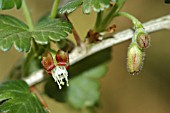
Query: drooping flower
[[57, 67]]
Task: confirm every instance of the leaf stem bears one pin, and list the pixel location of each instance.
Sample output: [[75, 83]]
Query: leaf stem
[[26, 62], [54, 9], [37, 93], [76, 36], [98, 21], [27, 15], [136, 22], [109, 17]]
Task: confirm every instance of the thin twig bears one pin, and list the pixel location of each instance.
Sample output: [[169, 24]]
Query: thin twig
[[76, 36], [36, 92], [79, 54]]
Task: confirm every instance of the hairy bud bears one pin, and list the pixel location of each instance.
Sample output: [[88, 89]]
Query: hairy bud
[[142, 38], [135, 58]]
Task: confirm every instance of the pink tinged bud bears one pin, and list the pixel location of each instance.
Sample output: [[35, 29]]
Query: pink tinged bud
[[62, 58], [143, 41], [47, 62], [142, 38], [135, 58]]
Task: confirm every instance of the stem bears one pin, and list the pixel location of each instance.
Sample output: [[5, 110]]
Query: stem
[[54, 9], [76, 36], [36, 92], [27, 15], [98, 21], [136, 22], [116, 8], [26, 62]]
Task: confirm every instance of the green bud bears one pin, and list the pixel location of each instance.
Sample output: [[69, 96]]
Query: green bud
[[142, 38], [135, 58]]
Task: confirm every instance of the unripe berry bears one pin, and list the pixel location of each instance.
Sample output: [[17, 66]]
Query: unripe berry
[[135, 58]]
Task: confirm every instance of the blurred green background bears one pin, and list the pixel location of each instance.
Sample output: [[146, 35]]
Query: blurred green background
[[149, 92]]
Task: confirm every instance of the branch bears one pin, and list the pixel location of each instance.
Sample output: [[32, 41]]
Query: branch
[[80, 53]]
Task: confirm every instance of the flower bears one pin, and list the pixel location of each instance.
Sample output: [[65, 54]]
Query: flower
[[58, 69], [59, 73]]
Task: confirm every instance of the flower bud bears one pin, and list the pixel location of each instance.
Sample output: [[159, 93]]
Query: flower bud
[[47, 62], [142, 38], [62, 58], [135, 58]]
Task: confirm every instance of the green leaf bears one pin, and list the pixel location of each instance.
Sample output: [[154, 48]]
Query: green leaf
[[96, 5], [9, 4], [15, 97], [53, 29], [87, 6], [13, 31], [70, 6], [84, 89]]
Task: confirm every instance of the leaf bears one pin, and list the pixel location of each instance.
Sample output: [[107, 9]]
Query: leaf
[[70, 6], [84, 89], [9, 4], [87, 6], [15, 97], [53, 29], [96, 5], [13, 31]]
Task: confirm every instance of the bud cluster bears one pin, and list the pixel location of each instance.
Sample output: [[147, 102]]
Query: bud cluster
[[135, 55]]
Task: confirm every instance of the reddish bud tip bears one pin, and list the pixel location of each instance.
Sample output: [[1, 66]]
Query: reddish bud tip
[[47, 62], [143, 40], [62, 58]]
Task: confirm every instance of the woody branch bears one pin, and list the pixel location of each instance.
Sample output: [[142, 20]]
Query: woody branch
[[80, 53]]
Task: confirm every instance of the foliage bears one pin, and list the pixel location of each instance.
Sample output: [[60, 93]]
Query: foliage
[[13, 31], [84, 89], [8, 4], [87, 6], [15, 97]]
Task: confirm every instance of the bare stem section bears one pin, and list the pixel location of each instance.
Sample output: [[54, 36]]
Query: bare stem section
[[79, 54]]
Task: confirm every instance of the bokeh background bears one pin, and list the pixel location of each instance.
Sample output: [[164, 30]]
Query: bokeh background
[[148, 92]]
